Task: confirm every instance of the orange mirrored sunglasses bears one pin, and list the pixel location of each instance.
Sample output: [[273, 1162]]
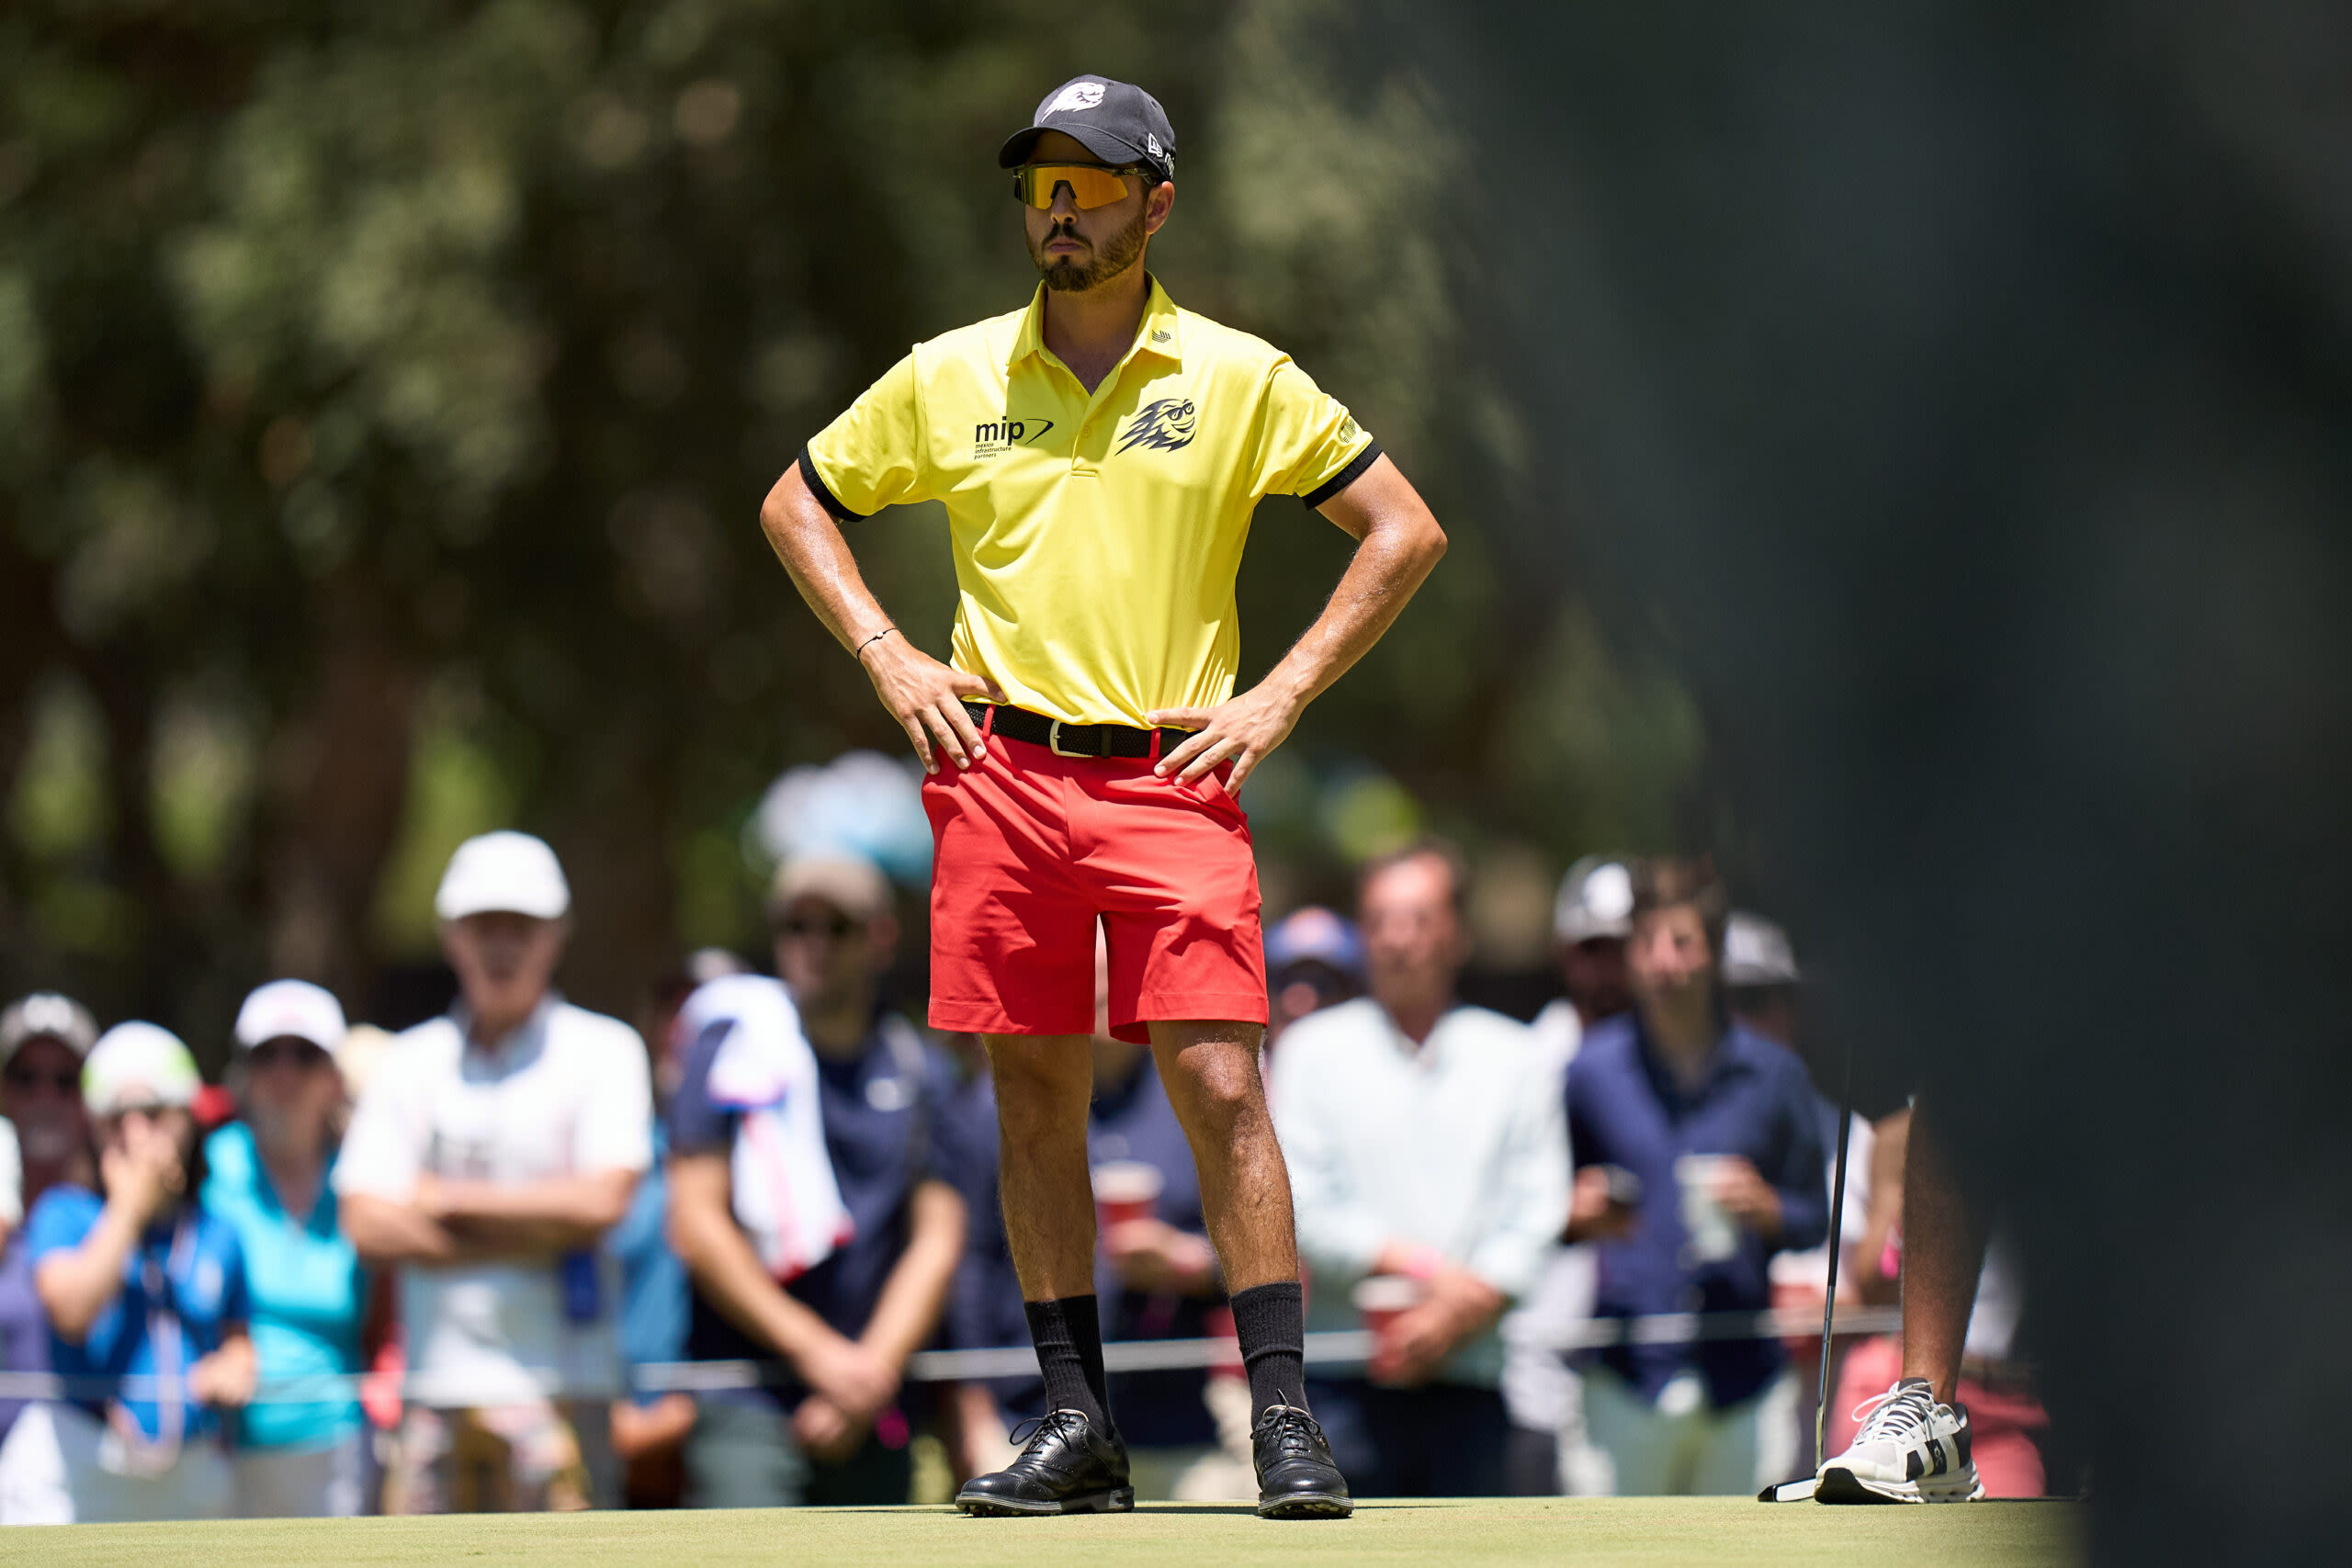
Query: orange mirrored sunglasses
[[1091, 184]]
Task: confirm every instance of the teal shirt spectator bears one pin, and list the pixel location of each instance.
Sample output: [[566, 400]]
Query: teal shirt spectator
[[309, 1293]]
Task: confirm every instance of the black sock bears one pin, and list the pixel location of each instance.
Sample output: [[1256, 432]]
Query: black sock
[[1069, 1335], [1271, 1322]]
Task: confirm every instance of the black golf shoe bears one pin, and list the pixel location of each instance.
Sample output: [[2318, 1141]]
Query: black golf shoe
[[1067, 1468], [1296, 1479]]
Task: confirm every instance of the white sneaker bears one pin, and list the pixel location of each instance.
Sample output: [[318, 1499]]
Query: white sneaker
[[1910, 1450]]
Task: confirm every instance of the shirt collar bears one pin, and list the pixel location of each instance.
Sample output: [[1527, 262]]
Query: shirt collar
[[529, 1029], [1160, 332], [1729, 1057], [1432, 1052]]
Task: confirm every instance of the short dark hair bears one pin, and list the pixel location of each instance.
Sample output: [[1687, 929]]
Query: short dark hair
[[1426, 847], [1671, 881]]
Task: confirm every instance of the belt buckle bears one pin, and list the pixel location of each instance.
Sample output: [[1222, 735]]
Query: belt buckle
[[1054, 743]]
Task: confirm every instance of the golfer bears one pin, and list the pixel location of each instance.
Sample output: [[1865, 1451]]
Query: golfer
[[1100, 454]]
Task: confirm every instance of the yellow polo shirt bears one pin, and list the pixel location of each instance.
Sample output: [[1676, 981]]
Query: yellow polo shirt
[[1097, 537]]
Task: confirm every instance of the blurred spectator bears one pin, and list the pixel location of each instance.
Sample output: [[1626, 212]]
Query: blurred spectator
[[300, 1451], [491, 1153], [1426, 1150], [1314, 960], [1760, 978], [1591, 921], [140, 1283], [1718, 1126], [1550, 1450], [834, 1311], [43, 1038], [649, 1427], [1761, 986]]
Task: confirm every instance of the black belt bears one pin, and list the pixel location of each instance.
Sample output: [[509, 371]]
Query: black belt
[[1074, 739]]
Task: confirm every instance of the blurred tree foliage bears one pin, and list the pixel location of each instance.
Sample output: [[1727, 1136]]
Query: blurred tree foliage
[[387, 393]]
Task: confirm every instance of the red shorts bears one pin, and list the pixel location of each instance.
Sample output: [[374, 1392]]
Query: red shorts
[[1033, 848]]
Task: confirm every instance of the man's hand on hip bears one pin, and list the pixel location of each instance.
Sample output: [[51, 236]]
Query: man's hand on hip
[[927, 698], [1243, 731]]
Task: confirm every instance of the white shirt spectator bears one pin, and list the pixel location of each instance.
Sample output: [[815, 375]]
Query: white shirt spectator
[[567, 1094], [1558, 1030], [1460, 1145]]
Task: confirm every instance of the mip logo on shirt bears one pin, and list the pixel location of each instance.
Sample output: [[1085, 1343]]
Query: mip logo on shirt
[[996, 437], [1166, 425]]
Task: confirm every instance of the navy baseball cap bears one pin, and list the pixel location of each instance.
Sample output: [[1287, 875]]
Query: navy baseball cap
[[1118, 121]]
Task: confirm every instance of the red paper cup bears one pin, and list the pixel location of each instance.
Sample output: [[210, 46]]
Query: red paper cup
[[1383, 1297], [1125, 1190]]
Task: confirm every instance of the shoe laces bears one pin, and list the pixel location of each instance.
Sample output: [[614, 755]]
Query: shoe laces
[[1294, 1431], [1896, 1416], [1039, 1429]]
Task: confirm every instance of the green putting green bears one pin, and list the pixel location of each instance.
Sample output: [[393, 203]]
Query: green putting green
[[1590, 1533]]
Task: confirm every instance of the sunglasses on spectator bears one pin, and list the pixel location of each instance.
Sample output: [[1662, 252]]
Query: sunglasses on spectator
[[1091, 184], [25, 1078], [287, 1053], [837, 927]]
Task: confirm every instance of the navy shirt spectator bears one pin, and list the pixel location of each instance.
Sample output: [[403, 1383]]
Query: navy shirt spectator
[[887, 1128], [1717, 1126], [830, 1428], [1627, 1110]]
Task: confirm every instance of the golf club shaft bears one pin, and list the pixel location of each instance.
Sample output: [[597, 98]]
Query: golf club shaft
[[1837, 1231]]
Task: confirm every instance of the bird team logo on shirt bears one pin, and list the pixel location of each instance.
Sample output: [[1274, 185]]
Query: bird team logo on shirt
[[1166, 425], [996, 437]]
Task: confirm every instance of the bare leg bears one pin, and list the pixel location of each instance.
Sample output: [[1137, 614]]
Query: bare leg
[[1943, 1251], [1044, 1084], [1211, 1074]]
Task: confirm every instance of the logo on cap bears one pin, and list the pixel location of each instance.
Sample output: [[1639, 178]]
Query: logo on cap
[[1151, 143], [1075, 99]]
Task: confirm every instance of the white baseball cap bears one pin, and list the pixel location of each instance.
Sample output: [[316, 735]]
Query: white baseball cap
[[45, 1015], [1596, 900], [1757, 952], [138, 1063], [293, 1009], [503, 873]]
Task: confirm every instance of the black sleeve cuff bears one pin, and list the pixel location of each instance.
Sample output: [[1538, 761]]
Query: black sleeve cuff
[[1330, 487], [825, 497]]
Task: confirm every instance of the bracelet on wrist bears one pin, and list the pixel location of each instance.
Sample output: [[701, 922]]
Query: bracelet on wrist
[[859, 651]]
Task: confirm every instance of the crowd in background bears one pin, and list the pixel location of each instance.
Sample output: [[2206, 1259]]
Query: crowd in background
[[525, 1256]]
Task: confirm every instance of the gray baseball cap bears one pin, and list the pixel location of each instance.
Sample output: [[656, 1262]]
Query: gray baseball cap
[[1757, 952], [1596, 900]]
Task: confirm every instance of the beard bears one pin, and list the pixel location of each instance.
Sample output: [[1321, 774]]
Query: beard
[[1066, 275]]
